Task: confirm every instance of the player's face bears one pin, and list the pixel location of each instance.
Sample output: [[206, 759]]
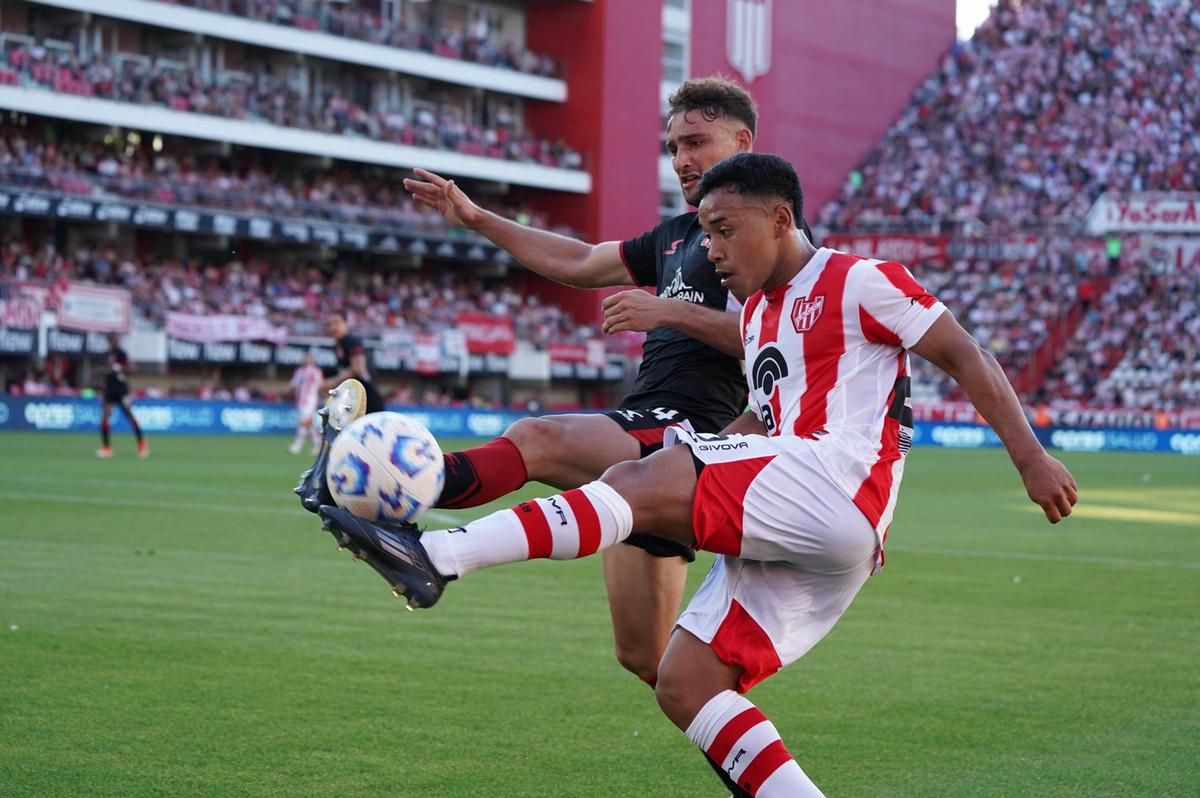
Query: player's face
[[336, 326], [743, 240], [696, 144]]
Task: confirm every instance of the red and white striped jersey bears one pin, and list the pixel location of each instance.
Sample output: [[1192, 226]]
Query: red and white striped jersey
[[826, 358], [307, 382]]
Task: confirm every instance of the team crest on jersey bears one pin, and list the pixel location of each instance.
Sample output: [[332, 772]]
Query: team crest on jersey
[[806, 312], [748, 36]]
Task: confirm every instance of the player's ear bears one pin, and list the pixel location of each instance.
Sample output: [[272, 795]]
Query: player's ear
[[783, 219], [745, 140]]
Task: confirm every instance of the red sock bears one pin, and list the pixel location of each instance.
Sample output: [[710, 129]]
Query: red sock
[[477, 476]]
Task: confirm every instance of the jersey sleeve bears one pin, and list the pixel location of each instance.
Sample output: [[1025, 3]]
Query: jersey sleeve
[[640, 257], [353, 345], [894, 308]]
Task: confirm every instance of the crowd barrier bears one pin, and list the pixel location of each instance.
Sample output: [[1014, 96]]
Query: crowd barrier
[[193, 416]]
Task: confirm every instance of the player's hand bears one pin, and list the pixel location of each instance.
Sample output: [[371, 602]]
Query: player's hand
[[1050, 485], [632, 310], [444, 197]]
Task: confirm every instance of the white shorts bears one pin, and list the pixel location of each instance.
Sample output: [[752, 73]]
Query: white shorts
[[795, 549], [306, 412]]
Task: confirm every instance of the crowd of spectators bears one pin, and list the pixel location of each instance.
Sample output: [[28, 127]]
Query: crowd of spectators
[[1009, 301], [495, 132], [1137, 347], [475, 32], [297, 296], [249, 181], [1052, 103]]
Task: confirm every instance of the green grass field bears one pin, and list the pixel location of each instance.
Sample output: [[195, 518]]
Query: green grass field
[[179, 626]]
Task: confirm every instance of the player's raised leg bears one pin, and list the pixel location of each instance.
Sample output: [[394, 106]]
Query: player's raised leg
[[658, 491], [563, 451]]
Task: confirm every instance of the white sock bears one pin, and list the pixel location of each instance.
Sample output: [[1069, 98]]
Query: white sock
[[740, 739], [572, 524]]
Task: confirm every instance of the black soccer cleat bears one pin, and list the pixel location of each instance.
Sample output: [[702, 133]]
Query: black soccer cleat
[[394, 550], [346, 403]]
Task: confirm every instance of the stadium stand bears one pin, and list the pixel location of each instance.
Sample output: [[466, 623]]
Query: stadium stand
[[1014, 138], [467, 31], [245, 180], [493, 131], [1032, 119]]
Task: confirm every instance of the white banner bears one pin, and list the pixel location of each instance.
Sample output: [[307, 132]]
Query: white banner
[[1172, 253], [94, 308], [211, 329], [1145, 213]]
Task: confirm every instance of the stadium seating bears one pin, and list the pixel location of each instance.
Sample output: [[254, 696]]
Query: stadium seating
[[247, 181], [325, 108], [1028, 122], [478, 38]]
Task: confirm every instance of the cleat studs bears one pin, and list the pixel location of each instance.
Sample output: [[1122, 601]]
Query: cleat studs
[[408, 607], [396, 592]]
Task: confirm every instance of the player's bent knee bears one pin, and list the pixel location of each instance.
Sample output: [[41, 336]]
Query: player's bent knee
[[536, 438], [640, 660]]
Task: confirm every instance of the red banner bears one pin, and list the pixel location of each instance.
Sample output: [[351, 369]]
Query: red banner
[[906, 249], [487, 334], [591, 353]]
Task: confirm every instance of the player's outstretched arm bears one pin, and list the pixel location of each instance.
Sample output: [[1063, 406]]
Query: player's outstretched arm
[[560, 258], [952, 349], [639, 311]]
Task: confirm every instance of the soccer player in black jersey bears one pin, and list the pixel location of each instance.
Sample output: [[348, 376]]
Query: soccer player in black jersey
[[116, 392], [352, 360], [690, 369]]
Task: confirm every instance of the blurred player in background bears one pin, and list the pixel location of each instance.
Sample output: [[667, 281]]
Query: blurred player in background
[[796, 498], [116, 392], [352, 360], [306, 383]]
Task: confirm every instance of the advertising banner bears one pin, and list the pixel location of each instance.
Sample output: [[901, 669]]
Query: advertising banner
[[193, 416], [95, 308], [239, 225], [1149, 212], [907, 249], [487, 334], [211, 329]]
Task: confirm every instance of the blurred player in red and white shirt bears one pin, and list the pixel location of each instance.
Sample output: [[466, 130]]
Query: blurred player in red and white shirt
[[795, 496], [306, 382]]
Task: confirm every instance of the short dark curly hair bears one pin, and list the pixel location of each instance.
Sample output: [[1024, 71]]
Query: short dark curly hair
[[757, 174], [715, 97]]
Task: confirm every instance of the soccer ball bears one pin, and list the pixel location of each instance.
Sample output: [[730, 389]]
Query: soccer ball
[[385, 467]]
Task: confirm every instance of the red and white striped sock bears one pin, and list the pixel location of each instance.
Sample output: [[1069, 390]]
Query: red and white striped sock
[[572, 524], [737, 736]]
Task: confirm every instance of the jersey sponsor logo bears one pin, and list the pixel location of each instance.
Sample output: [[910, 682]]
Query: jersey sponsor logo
[[805, 312], [674, 246], [678, 289], [769, 368], [748, 36]]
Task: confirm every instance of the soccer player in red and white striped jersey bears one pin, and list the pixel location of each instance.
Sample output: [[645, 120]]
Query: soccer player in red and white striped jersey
[[795, 497]]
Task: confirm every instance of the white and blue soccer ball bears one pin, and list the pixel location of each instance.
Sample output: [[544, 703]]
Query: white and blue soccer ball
[[386, 467]]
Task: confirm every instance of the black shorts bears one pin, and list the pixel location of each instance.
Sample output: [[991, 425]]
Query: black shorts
[[115, 391], [647, 425], [374, 398]]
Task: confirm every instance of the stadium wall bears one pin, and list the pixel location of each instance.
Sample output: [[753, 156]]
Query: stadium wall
[[185, 416], [836, 74]]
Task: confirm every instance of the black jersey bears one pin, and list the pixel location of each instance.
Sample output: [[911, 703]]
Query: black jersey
[[677, 370], [116, 386], [347, 347]]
